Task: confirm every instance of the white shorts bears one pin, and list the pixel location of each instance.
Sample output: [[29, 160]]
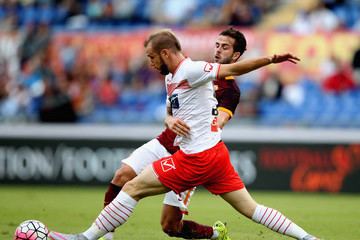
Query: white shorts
[[147, 154], [181, 200]]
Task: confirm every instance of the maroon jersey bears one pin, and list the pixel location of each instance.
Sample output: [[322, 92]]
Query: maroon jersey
[[227, 94]]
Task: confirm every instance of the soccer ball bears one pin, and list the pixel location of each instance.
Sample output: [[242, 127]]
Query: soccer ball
[[31, 230]]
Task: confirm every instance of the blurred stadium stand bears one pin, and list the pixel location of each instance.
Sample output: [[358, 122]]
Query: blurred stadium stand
[[82, 61]]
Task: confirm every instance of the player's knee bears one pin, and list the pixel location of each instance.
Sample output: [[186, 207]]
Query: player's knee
[[135, 189], [123, 175]]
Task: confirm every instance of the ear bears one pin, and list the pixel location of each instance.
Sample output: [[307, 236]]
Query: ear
[[164, 53], [236, 56]]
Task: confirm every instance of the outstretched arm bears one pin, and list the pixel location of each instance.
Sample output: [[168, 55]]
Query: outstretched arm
[[245, 66]]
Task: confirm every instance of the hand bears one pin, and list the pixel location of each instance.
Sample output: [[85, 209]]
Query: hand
[[177, 125], [283, 58]]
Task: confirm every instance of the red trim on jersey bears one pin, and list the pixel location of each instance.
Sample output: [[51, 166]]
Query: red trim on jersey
[[217, 73], [170, 88], [184, 84], [178, 66]]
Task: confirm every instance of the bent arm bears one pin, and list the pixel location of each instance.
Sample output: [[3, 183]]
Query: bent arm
[[223, 118], [245, 66]]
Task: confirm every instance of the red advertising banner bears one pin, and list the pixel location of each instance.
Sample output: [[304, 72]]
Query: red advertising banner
[[313, 169], [124, 48]]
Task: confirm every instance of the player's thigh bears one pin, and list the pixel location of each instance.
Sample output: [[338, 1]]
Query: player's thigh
[[242, 201], [145, 184], [145, 155]]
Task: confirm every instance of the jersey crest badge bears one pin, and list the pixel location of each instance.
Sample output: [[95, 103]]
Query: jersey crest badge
[[208, 67], [167, 164]]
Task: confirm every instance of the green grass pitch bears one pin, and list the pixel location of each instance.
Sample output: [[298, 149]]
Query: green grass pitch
[[72, 209]]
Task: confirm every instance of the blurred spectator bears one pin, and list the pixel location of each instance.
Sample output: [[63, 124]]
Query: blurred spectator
[[94, 9], [78, 86], [37, 38], [68, 53], [339, 81], [356, 66], [125, 9], [292, 92], [272, 87], [9, 22], [76, 15], [108, 92], [173, 12], [317, 18], [45, 12], [240, 13], [207, 13], [55, 106], [348, 11], [62, 12]]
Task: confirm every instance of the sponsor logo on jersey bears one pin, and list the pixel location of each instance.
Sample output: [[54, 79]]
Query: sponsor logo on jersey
[[214, 125], [174, 101]]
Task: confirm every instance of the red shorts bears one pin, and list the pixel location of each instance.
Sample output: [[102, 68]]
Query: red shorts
[[211, 168]]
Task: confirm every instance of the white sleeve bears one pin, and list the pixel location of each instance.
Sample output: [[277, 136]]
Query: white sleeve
[[201, 72]]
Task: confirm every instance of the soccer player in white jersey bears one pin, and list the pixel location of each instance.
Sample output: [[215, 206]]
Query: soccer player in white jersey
[[203, 158], [229, 46]]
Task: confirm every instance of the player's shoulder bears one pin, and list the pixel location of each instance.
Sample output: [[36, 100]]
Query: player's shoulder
[[196, 63], [230, 78], [226, 83]]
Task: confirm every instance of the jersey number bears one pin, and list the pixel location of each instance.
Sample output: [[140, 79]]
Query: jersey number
[[214, 125]]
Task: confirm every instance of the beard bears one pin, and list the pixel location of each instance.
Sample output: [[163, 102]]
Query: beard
[[164, 70], [225, 60]]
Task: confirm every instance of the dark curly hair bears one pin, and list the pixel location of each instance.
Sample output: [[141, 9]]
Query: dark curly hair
[[240, 41]]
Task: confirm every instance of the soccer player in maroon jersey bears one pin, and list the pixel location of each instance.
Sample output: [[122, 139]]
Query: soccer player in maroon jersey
[[203, 158]]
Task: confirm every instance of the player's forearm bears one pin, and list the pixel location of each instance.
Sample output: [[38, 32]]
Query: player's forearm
[[246, 66], [223, 119], [243, 66]]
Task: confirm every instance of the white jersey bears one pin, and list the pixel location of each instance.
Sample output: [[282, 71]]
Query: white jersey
[[191, 97]]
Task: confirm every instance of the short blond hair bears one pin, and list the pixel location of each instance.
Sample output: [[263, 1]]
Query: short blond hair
[[163, 39]]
